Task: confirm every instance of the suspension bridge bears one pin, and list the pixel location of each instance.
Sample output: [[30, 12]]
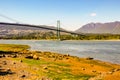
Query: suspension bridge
[[58, 29]]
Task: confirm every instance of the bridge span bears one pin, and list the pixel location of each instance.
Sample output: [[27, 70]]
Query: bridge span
[[40, 26]]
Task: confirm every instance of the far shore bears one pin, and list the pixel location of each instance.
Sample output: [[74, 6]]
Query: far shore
[[61, 40]]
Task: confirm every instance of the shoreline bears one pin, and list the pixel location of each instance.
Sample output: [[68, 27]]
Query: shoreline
[[59, 40], [99, 41], [19, 63]]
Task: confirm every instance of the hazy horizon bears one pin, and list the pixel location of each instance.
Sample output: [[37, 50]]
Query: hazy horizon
[[72, 13]]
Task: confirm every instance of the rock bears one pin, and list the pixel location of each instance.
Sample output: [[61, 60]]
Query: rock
[[67, 58], [35, 57], [4, 63], [116, 70], [21, 61], [38, 51], [113, 70], [83, 68], [23, 76], [29, 57], [14, 56], [45, 67], [14, 62], [5, 71], [9, 56], [9, 70], [94, 71], [53, 56], [89, 58], [68, 55], [32, 57], [3, 55]]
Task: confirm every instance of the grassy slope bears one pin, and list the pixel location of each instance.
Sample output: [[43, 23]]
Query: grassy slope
[[13, 47]]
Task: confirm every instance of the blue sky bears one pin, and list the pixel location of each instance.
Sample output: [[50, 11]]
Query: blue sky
[[72, 13]]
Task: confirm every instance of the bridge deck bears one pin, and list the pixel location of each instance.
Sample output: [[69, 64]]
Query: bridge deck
[[36, 26]]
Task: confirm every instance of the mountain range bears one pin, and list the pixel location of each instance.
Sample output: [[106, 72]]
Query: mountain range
[[100, 28]]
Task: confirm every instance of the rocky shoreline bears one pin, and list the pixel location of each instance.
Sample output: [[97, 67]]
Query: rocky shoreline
[[38, 65]]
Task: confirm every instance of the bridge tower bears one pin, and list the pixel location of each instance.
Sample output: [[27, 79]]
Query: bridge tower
[[58, 29]]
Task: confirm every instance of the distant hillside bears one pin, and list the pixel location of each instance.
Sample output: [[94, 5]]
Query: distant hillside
[[101, 28], [6, 29]]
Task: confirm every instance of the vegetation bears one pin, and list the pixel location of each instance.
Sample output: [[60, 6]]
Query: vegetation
[[13, 47], [52, 35], [55, 70]]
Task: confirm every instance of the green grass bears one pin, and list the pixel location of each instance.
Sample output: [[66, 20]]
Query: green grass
[[35, 62], [55, 70], [66, 75], [13, 47]]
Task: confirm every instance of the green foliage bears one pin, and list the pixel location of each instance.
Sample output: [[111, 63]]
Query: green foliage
[[52, 35], [55, 70]]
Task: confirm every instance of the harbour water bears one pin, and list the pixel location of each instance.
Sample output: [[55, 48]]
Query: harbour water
[[108, 51]]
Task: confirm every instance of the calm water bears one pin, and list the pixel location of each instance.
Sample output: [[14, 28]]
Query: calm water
[[102, 50]]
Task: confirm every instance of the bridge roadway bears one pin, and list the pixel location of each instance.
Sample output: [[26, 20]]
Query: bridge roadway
[[39, 26]]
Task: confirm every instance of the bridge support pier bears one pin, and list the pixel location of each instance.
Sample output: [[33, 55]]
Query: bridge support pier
[[58, 30]]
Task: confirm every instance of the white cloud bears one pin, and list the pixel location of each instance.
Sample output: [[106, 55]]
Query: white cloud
[[93, 14]]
